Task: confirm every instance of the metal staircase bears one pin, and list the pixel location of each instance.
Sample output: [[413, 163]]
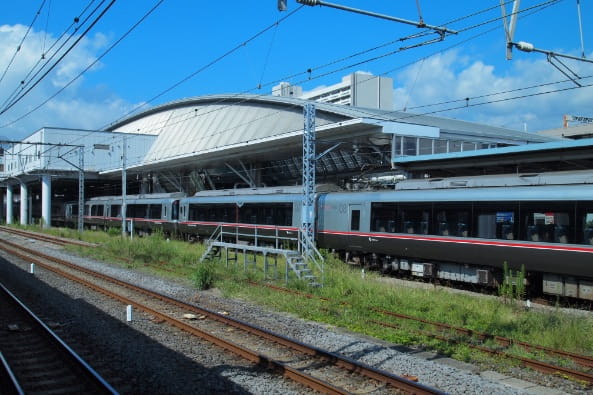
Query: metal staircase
[[229, 238]]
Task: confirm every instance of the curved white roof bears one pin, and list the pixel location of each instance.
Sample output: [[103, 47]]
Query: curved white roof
[[200, 127]]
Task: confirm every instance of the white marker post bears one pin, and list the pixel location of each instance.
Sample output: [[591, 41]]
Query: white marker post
[[129, 313], [32, 268]]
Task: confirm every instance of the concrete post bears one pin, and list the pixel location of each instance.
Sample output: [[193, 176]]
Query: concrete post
[[9, 198], [46, 200], [24, 203]]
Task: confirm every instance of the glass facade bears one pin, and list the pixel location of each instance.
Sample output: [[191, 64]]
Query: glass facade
[[413, 146]]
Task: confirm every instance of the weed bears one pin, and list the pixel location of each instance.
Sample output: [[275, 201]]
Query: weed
[[205, 275]]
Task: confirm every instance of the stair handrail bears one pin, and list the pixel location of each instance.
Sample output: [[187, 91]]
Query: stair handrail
[[309, 251], [214, 236]]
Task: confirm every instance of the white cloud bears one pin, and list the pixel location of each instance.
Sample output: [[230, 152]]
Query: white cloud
[[448, 77], [78, 106]]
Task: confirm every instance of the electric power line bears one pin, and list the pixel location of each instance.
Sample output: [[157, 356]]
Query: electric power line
[[484, 102], [22, 41], [22, 95], [89, 66], [25, 81]]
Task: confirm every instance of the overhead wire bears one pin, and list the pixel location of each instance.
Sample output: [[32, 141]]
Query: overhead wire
[[349, 66], [23, 94], [26, 81], [309, 73], [22, 41], [213, 62], [474, 27], [132, 28]]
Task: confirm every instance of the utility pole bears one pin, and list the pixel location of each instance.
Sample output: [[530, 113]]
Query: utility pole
[[124, 182], [80, 188]]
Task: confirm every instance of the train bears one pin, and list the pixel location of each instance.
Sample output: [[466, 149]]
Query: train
[[461, 230]]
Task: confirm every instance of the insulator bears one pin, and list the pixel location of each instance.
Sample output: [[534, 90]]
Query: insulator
[[525, 47]]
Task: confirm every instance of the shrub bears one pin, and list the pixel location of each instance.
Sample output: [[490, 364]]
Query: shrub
[[205, 275]]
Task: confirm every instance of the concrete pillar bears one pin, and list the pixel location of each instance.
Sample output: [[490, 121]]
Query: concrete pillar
[[9, 199], [24, 203], [46, 200]]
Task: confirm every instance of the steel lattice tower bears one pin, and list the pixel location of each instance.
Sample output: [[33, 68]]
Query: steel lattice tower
[[308, 211]]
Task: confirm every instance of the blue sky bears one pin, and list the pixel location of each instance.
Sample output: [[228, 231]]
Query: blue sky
[[212, 48]]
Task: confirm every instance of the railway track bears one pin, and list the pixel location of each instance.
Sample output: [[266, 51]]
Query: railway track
[[471, 335], [45, 237], [35, 360], [316, 368]]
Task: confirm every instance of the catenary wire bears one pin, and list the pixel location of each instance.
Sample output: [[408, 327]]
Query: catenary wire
[[26, 81], [22, 41], [90, 65], [22, 95], [483, 103]]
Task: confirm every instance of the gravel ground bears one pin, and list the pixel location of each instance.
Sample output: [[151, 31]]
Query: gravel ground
[[147, 357]]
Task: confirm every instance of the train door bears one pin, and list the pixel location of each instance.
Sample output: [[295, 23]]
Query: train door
[[354, 225]]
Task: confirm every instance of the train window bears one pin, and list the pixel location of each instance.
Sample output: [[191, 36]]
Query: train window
[[496, 220], [414, 218], [175, 210], [116, 210], [548, 226], [383, 217], [452, 221], [278, 214], [97, 210], [284, 214], [588, 228], [155, 211], [211, 214], [355, 220], [137, 210], [195, 213]]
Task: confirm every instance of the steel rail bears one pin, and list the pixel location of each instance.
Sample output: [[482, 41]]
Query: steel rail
[[90, 375], [243, 352], [531, 363], [44, 237], [398, 382], [582, 360], [8, 381]]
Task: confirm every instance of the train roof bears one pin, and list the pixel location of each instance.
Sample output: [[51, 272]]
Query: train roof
[[240, 199], [542, 193], [319, 188], [503, 180], [144, 197]]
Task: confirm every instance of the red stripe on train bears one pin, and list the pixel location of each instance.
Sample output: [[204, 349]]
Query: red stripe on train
[[548, 246]]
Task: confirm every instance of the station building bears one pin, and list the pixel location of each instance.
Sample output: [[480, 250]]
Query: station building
[[236, 141]]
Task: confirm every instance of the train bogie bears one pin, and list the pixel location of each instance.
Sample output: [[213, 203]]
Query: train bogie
[[566, 286]]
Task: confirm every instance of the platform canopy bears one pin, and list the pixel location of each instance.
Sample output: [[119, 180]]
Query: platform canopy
[[225, 140]]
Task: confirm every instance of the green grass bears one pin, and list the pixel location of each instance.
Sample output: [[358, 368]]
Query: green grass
[[351, 297]]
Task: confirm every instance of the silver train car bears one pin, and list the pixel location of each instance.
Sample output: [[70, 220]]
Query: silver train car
[[145, 213], [468, 234], [451, 230]]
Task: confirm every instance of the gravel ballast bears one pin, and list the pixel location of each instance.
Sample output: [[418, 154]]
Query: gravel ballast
[[145, 356]]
